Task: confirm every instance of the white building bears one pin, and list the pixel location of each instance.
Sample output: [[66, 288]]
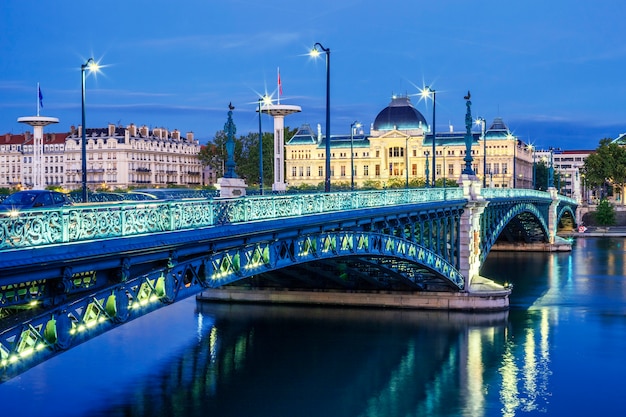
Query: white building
[[117, 157]]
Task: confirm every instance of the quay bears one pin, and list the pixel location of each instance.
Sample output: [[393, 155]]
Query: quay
[[485, 296]]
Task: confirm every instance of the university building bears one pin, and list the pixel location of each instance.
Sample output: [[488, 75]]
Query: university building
[[399, 149], [117, 157]]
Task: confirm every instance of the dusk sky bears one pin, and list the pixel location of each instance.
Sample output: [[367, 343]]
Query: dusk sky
[[553, 70]]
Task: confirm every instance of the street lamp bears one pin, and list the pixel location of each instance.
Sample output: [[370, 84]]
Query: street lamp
[[532, 149], [425, 93], [260, 149], [406, 162], [92, 66], [315, 53], [514, 139], [353, 125], [482, 122]]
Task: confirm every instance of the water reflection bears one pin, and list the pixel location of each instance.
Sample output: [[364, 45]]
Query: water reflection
[[269, 361]]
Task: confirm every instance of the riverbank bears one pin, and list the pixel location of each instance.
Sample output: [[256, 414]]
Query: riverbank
[[599, 231]]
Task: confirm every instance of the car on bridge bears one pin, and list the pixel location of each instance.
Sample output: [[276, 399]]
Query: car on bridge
[[34, 199]]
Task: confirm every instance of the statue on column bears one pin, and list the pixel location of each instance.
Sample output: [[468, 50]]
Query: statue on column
[[469, 138], [230, 185], [230, 130]]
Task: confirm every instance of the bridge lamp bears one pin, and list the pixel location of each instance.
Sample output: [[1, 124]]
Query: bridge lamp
[[265, 100], [353, 125], [482, 122], [316, 53], [514, 139], [92, 66], [425, 93]]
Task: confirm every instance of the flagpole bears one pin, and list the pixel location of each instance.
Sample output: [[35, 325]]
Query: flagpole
[[279, 84], [38, 90]]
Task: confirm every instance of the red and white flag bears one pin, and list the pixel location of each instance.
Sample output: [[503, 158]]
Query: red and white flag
[[280, 85]]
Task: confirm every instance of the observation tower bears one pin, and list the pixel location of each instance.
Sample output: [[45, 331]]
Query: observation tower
[[38, 123], [278, 113]]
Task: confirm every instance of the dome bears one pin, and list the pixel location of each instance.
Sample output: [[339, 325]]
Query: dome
[[401, 115]]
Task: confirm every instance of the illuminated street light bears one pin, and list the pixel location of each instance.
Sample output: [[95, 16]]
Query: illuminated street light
[[425, 93], [262, 100], [353, 125], [92, 66], [315, 53]]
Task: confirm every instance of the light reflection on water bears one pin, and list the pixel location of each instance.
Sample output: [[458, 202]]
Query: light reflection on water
[[562, 342]]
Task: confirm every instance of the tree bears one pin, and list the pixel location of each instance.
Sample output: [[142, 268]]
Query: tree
[[606, 166], [246, 156], [605, 214]]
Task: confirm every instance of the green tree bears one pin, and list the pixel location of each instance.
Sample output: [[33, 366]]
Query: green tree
[[606, 166], [246, 156], [605, 214]]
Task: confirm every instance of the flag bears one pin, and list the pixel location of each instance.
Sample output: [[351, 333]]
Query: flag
[[40, 97], [280, 85]]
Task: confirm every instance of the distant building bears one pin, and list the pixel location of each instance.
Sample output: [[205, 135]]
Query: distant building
[[117, 157], [399, 147], [568, 176]]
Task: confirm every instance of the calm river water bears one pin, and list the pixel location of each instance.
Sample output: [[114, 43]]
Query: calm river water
[[559, 351]]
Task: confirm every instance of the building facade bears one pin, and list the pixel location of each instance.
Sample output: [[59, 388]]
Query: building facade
[[398, 150], [117, 157]]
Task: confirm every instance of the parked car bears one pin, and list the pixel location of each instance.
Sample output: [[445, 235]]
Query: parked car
[[34, 199]]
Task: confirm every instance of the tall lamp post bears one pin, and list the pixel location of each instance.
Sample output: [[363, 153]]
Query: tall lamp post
[[514, 139], [425, 93], [315, 53], [260, 149], [482, 122], [353, 125], [532, 149], [92, 66]]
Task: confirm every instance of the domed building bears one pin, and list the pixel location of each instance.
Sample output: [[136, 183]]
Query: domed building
[[399, 115], [398, 152]]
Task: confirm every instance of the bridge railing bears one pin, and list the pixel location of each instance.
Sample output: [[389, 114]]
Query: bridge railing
[[490, 193], [36, 227]]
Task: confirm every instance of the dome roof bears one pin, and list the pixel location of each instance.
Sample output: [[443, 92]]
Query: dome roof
[[399, 114]]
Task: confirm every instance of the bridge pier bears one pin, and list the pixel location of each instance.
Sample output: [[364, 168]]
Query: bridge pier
[[553, 219], [470, 239]]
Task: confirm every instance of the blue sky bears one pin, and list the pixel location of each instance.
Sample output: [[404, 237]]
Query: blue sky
[[553, 70]]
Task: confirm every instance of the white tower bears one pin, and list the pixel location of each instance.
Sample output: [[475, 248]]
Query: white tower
[[38, 122], [278, 112]]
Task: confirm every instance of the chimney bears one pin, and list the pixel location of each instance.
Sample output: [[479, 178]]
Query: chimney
[[144, 131], [133, 130], [176, 134], [190, 136], [111, 129]]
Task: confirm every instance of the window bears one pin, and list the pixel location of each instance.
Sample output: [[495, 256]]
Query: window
[[377, 170], [366, 170], [320, 171]]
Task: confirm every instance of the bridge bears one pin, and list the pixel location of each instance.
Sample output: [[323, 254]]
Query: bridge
[[70, 274]]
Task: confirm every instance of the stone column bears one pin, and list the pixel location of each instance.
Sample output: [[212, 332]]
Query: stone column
[[470, 228], [553, 215]]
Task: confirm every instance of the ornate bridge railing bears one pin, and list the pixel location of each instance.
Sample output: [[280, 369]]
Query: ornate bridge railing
[[28, 228]]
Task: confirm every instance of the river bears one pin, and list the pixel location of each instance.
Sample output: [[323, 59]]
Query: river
[[559, 351]]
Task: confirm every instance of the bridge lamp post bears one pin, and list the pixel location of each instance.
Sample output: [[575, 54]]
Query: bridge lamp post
[[514, 139], [262, 100], [482, 122], [353, 125], [315, 53], [92, 66], [406, 162], [425, 93]]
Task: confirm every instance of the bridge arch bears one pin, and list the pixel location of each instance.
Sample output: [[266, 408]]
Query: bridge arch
[[497, 217]]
